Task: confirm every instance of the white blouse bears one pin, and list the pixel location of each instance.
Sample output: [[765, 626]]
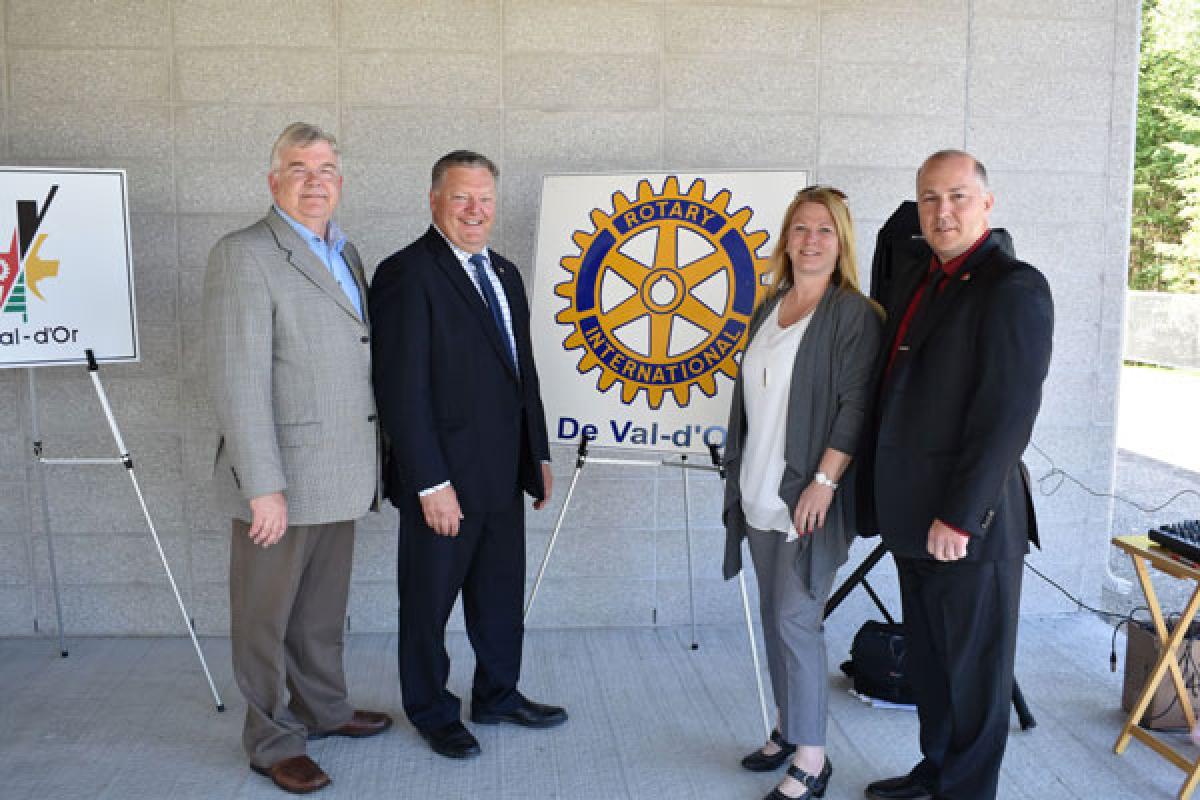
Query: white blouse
[[766, 384]]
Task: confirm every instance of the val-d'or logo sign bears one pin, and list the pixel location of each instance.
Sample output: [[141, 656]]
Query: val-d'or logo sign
[[661, 291], [51, 316], [21, 266]]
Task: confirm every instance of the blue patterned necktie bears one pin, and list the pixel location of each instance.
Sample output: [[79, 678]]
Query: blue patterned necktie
[[493, 303]]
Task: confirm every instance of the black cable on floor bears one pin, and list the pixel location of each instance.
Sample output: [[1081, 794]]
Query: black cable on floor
[[1063, 476]]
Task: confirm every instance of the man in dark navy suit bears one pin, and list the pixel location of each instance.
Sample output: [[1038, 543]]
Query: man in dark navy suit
[[960, 386], [458, 397]]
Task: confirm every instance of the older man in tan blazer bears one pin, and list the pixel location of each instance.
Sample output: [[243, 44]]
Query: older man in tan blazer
[[297, 460]]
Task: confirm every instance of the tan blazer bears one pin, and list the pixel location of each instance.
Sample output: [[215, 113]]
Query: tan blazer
[[289, 372]]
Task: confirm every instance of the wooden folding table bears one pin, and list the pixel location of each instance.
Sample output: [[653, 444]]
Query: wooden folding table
[[1145, 554]]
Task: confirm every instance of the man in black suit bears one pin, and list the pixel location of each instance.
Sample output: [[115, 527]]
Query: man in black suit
[[458, 397], [960, 386]]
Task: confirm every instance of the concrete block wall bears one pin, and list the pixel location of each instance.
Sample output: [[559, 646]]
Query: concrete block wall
[[187, 95]]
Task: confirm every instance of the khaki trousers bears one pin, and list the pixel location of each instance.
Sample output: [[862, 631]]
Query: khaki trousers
[[287, 608]]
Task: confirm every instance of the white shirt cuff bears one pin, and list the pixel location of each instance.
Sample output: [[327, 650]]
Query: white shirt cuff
[[432, 489]]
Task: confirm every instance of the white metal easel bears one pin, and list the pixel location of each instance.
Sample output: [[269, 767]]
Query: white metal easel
[[125, 460], [581, 459]]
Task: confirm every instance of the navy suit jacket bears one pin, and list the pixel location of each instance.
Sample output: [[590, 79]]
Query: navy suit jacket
[[956, 411], [452, 407]]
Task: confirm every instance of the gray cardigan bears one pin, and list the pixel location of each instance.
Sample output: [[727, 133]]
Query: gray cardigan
[[827, 404]]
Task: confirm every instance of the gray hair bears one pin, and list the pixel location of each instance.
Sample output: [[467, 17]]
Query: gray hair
[[301, 134], [461, 158], [941, 155]]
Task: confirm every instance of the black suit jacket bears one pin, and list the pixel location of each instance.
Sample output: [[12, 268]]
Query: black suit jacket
[[955, 412], [452, 407]]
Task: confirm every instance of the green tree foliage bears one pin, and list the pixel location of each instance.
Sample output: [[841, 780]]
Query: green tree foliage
[[1165, 243]]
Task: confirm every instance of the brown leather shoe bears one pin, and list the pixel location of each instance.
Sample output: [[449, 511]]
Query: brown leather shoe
[[360, 726], [298, 775]]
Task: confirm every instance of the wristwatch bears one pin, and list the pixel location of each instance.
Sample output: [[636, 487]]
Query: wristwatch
[[825, 480]]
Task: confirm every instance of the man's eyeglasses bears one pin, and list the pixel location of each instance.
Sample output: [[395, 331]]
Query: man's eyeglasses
[[324, 174]]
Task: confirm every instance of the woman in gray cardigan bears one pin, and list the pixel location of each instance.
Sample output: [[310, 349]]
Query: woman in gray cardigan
[[798, 408]]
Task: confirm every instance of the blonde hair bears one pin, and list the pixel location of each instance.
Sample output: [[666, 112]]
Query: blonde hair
[[834, 201]]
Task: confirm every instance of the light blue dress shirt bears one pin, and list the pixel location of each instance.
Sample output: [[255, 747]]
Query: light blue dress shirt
[[329, 250]]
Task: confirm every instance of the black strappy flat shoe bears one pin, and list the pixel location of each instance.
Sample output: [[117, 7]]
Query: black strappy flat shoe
[[758, 761], [814, 786]]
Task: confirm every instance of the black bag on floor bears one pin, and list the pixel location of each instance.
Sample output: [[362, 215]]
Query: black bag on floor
[[876, 662]]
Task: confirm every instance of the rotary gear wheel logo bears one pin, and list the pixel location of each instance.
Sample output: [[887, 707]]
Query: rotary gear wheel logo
[[662, 291]]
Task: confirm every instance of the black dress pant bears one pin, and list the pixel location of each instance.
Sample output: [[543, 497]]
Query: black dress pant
[[960, 621], [486, 561]]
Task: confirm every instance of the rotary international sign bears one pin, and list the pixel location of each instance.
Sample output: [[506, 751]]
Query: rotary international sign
[[66, 275], [644, 285]]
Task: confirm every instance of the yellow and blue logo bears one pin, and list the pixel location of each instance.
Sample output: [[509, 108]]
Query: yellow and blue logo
[[662, 290]]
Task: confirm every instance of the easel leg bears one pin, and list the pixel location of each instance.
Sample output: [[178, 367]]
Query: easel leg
[[41, 477], [94, 374], [127, 462], [855, 578], [187, 623], [687, 537], [762, 695], [562, 514], [1024, 716]]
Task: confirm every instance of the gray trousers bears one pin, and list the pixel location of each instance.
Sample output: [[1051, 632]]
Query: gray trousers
[[287, 610], [794, 634]]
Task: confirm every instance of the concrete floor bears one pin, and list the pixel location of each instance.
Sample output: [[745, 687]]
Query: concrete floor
[[129, 718], [650, 718]]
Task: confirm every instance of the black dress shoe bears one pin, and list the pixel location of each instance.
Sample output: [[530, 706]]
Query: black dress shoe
[[452, 740], [814, 785], [528, 715], [905, 787], [758, 761]]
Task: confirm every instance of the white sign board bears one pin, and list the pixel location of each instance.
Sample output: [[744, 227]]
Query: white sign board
[[66, 274], [643, 288]]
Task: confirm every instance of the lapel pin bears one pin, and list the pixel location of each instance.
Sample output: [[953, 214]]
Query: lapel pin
[[966, 277]]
